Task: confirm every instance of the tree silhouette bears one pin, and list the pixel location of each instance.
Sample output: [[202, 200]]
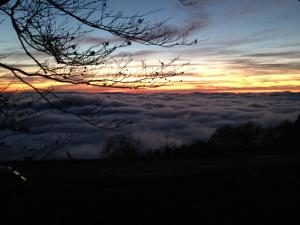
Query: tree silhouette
[[52, 36], [124, 147], [50, 33], [12, 120]]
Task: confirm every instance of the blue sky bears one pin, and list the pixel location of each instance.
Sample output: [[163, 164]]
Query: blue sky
[[247, 45]]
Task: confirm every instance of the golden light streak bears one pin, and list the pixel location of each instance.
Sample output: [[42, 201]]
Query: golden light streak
[[217, 78]]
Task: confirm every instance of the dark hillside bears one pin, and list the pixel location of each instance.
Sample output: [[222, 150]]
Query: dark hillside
[[235, 190]]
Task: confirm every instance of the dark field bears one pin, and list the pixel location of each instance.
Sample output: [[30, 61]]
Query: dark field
[[244, 190]]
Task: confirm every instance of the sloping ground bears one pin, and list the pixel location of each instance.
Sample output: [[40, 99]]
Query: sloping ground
[[235, 190]]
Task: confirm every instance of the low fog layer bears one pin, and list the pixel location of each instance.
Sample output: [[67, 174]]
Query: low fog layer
[[153, 118]]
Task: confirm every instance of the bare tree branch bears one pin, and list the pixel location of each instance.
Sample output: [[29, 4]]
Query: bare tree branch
[[54, 29]]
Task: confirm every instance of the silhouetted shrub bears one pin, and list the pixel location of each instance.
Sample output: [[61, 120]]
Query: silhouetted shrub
[[285, 137], [125, 147], [249, 138], [244, 137]]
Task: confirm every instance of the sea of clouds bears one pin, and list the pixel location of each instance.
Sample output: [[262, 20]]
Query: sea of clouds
[[153, 118]]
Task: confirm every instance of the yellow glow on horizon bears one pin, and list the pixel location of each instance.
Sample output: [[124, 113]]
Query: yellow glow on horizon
[[202, 79]]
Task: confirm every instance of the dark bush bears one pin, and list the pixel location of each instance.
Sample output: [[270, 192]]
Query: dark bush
[[244, 137], [248, 138], [125, 147]]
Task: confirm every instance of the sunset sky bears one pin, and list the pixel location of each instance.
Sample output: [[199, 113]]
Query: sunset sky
[[244, 46]]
